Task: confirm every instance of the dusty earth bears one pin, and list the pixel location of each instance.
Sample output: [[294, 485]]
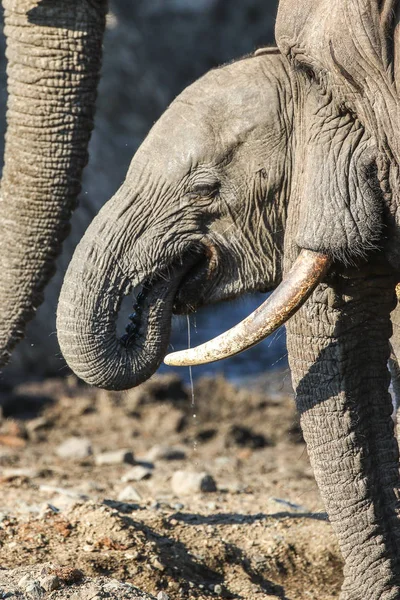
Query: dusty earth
[[244, 520]]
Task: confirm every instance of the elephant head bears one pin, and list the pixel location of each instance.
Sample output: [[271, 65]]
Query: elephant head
[[54, 55], [199, 218]]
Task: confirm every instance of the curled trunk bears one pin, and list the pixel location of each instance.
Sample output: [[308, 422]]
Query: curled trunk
[[99, 275], [54, 52]]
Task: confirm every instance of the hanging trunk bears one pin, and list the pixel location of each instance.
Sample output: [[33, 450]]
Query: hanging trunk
[[338, 349], [54, 52]]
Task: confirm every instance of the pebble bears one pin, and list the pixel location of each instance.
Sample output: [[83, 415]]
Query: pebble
[[76, 448], [160, 452], [129, 494], [24, 581], [162, 596], [115, 457], [13, 473], [188, 482], [50, 583], [30, 587], [137, 473], [68, 492]]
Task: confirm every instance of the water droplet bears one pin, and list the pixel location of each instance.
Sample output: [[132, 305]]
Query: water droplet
[[193, 403]]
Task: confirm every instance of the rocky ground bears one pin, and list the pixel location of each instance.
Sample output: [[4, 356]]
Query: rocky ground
[[143, 495]]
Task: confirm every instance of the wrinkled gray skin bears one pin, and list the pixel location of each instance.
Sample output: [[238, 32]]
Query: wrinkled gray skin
[[344, 66], [54, 53], [200, 215], [176, 209]]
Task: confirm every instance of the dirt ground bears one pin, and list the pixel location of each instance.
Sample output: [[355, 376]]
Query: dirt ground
[[215, 500]]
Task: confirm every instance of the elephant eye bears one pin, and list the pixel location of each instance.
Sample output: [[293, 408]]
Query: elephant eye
[[308, 71], [204, 189]]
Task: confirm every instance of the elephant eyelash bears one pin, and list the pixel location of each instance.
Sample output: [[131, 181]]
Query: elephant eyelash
[[204, 190], [307, 70]]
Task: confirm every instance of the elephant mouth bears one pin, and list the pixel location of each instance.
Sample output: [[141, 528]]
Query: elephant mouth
[[192, 289], [195, 287], [182, 288]]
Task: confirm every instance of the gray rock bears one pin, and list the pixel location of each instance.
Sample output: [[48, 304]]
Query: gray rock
[[24, 581], [162, 596], [160, 452], [33, 590], [189, 482], [75, 448], [129, 494], [137, 473], [50, 583], [115, 457]]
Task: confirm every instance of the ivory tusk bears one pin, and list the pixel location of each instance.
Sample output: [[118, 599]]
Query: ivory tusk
[[307, 271]]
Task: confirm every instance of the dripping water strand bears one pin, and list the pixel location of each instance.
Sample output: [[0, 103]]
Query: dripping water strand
[[193, 403]]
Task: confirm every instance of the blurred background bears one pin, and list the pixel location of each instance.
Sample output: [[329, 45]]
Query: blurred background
[[152, 50]]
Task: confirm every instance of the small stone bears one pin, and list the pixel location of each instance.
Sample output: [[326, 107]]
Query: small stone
[[50, 583], [68, 492], [115, 457], [187, 482], [68, 575], [137, 473], [33, 590], [160, 452], [111, 586], [217, 589], [14, 473], [24, 581], [74, 448], [157, 564], [162, 596], [129, 494]]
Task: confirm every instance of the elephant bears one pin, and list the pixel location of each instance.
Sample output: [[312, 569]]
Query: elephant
[[325, 213]]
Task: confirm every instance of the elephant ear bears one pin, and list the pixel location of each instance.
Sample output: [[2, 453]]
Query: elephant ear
[[389, 11], [395, 15]]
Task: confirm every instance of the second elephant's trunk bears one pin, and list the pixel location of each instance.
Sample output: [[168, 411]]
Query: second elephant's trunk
[[54, 53]]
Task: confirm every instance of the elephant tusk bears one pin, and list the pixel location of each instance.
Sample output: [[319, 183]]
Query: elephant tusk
[[307, 271]]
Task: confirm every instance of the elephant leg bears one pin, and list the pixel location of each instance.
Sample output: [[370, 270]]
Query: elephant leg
[[338, 350], [394, 362], [395, 382]]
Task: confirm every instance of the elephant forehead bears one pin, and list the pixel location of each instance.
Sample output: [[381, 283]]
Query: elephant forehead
[[216, 115], [179, 141]]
